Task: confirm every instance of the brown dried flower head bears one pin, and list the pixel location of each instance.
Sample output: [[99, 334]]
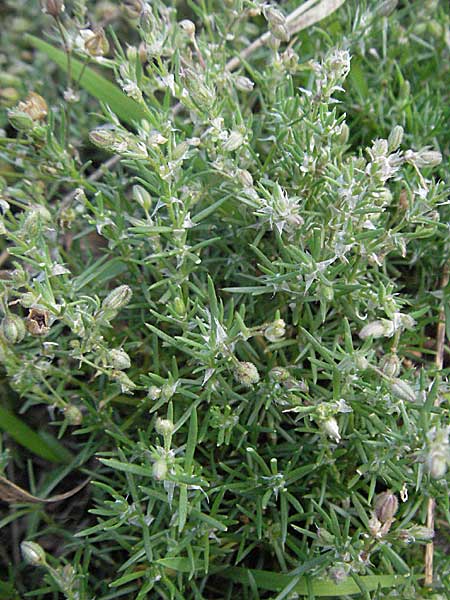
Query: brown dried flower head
[[54, 8], [37, 322], [95, 42], [34, 106]]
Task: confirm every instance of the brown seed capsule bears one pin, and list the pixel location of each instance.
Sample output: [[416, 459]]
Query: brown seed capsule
[[386, 505], [96, 43], [54, 8], [37, 322], [34, 106]]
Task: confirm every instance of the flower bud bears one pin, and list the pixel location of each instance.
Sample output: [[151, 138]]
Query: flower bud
[[274, 16], [437, 461], [386, 505], [246, 373], [188, 27], [243, 84], [118, 298], [159, 469], [73, 415], [233, 142], [390, 365], [164, 426], [119, 359], [424, 158], [395, 138], [133, 8], [402, 390], [37, 322], [416, 533], [142, 197], [275, 331], [54, 8], [245, 177], [377, 329], [280, 32], [13, 328], [33, 554]]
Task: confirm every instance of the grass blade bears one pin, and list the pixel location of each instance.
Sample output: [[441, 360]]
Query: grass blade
[[26, 437], [98, 86]]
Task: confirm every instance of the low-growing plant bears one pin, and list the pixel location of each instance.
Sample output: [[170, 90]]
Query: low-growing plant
[[225, 299]]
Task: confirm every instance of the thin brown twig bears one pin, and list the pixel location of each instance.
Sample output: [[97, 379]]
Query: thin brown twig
[[439, 362]]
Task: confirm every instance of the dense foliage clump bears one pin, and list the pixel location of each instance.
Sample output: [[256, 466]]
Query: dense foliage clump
[[224, 299]]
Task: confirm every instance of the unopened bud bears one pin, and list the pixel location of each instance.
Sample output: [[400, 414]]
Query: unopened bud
[[390, 365], [133, 8], [280, 32], [243, 84], [188, 26], [377, 329], [142, 197], [246, 373], [73, 415], [233, 142], [416, 533], [275, 331], [54, 8], [395, 138], [245, 177], [274, 16], [402, 390], [118, 298], [437, 460], [424, 158], [159, 469], [33, 554], [164, 426], [386, 505], [119, 359], [12, 328]]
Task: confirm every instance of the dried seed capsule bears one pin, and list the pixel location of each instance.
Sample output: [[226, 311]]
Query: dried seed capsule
[[54, 8], [377, 329], [386, 505], [246, 373], [13, 328], [95, 42], [37, 322], [33, 554]]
